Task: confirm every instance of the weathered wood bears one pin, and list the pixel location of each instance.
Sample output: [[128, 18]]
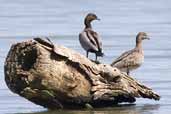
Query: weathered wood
[[58, 77]]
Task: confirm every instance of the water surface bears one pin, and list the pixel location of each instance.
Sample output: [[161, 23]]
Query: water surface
[[121, 20]]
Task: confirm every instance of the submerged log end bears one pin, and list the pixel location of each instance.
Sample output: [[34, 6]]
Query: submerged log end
[[58, 77]]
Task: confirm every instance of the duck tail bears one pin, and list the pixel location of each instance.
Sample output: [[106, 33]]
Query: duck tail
[[100, 53]]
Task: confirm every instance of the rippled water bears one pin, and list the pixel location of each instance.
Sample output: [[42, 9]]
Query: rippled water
[[121, 20]]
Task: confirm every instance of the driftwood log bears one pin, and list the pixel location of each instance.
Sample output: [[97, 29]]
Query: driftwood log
[[57, 77]]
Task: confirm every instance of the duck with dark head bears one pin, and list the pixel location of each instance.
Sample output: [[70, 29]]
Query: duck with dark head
[[132, 59], [89, 39]]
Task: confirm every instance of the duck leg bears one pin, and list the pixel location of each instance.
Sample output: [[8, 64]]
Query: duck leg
[[128, 72], [96, 57], [87, 53]]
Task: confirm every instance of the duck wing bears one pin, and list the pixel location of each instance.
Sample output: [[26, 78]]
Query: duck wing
[[124, 59], [94, 38]]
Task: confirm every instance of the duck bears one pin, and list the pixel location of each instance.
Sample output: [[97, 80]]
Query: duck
[[132, 59], [89, 39]]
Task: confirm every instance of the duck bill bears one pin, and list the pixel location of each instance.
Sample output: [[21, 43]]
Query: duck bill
[[146, 38], [98, 19]]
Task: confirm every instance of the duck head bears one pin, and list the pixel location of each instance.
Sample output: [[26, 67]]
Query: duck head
[[140, 37], [89, 18]]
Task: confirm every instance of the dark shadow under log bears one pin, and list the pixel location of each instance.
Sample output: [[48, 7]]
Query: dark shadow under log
[[58, 77]]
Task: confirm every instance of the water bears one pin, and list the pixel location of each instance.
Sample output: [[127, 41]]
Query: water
[[121, 20]]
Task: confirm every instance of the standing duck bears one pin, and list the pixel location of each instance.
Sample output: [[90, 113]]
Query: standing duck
[[132, 59], [89, 39]]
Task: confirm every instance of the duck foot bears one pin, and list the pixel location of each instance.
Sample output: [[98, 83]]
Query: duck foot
[[96, 61]]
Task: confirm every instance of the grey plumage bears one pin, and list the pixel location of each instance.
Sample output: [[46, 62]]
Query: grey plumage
[[89, 39]]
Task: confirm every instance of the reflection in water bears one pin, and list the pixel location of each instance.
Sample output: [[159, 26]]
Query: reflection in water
[[123, 109]]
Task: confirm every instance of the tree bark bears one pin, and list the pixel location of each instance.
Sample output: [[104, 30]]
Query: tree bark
[[55, 77]]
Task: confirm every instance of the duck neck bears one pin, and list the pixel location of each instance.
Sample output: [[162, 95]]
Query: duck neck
[[87, 23], [138, 43]]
